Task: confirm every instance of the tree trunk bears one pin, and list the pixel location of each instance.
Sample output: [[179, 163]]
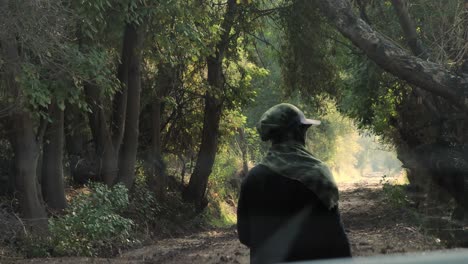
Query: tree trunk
[[159, 177], [196, 189], [389, 56], [183, 168], [26, 152], [130, 141], [119, 106], [23, 140], [409, 28], [52, 183]]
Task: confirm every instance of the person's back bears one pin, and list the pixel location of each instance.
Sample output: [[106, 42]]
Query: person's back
[[273, 200], [288, 205]]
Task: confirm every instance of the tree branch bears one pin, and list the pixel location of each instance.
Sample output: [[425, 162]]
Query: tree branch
[[389, 56], [409, 29]]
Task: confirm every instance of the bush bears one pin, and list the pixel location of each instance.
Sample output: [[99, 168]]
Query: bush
[[394, 194], [143, 209], [91, 226]]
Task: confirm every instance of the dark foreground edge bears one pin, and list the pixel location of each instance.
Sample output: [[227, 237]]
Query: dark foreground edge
[[459, 256]]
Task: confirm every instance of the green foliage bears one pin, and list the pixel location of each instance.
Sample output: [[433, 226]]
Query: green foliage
[[219, 214], [240, 74], [394, 194], [225, 170], [92, 225], [323, 139], [371, 96], [224, 184], [305, 57], [143, 208], [93, 65]]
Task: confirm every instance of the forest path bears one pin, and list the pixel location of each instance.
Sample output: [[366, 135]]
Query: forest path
[[373, 228]]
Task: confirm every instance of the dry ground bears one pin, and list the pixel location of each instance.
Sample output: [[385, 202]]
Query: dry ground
[[373, 228]]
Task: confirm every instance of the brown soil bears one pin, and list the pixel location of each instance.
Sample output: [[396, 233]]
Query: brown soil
[[373, 228]]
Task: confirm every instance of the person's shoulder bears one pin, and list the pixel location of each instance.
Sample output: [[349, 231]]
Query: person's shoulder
[[256, 173]]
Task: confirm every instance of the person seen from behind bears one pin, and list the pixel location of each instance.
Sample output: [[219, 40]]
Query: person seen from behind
[[288, 204]]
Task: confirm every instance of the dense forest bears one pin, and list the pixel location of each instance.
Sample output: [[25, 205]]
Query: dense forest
[[124, 120]]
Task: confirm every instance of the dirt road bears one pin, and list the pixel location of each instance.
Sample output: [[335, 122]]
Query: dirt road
[[373, 228]]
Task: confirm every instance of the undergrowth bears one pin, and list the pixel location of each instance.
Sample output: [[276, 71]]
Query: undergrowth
[[92, 225], [223, 191], [103, 221]]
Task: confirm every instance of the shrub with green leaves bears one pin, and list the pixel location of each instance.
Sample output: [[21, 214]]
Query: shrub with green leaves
[[143, 205], [394, 194], [92, 224]]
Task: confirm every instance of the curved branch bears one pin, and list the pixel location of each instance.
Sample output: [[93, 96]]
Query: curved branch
[[429, 76]]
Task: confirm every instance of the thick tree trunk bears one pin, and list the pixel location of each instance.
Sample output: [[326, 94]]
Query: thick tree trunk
[[452, 182], [26, 152], [53, 188], [427, 75], [120, 99], [129, 147], [23, 140]]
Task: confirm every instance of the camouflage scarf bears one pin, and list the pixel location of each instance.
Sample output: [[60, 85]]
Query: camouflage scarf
[[293, 161]]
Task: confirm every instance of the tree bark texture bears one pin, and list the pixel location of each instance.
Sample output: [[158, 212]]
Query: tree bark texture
[[26, 152], [129, 148], [387, 54], [451, 181], [52, 182]]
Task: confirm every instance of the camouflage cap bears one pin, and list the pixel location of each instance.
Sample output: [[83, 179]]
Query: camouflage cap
[[282, 117]]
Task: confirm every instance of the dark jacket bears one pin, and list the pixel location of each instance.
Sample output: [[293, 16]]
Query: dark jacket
[[279, 219]]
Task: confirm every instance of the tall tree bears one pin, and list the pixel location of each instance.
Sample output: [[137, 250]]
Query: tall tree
[[52, 181], [116, 140], [196, 189], [22, 134], [130, 140]]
